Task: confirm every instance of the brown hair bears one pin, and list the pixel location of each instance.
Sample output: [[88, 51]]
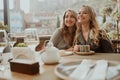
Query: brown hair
[[68, 37]]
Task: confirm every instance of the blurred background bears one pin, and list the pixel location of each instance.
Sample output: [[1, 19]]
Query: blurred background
[[46, 15], [42, 17]]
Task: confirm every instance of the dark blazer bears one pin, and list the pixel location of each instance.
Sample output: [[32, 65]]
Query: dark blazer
[[104, 45]]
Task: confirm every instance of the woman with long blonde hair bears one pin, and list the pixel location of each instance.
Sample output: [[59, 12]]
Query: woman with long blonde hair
[[88, 32]]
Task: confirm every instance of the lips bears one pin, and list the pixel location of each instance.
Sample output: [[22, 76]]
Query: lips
[[81, 19], [69, 23]]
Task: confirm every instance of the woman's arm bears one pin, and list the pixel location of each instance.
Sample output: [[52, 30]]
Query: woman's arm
[[105, 42], [106, 46], [55, 38]]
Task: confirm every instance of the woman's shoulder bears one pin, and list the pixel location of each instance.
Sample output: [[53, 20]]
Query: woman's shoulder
[[58, 29], [102, 33]]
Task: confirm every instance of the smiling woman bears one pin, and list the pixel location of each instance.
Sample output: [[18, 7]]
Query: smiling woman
[[63, 37]]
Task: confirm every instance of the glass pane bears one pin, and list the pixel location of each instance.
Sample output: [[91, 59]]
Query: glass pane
[[1, 12], [46, 15]]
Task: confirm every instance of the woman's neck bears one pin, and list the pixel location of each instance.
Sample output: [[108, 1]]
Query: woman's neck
[[70, 29], [85, 31], [85, 28]]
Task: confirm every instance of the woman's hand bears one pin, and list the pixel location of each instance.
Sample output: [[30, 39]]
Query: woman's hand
[[76, 48], [70, 49]]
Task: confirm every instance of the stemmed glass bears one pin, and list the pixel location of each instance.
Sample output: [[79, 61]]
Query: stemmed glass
[[10, 38]]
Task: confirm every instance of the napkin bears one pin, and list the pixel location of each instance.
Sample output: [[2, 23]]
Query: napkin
[[100, 70], [81, 71], [113, 71], [23, 53]]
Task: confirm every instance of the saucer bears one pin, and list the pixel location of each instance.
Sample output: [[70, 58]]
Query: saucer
[[85, 53], [65, 53]]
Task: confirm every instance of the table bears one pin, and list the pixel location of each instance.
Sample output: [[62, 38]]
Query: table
[[47, 71]]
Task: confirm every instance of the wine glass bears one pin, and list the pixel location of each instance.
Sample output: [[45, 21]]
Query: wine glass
[[11, 40]]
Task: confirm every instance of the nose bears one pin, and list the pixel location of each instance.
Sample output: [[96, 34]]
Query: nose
[[79, 16], [69, 18]]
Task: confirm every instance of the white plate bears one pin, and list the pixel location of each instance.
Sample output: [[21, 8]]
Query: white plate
[[85, 53], [65, 69], [65, 53]]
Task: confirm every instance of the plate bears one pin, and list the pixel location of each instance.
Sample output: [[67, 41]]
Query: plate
[[65, 53], [63, 70], [85, 53]]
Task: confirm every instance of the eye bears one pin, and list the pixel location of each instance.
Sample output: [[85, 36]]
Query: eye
[[84, 12], [79, 13], [66, 16]]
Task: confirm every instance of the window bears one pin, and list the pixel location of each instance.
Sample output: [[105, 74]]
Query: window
[[44, 15]]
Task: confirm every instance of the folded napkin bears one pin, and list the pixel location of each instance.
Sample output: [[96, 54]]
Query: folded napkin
[[82, 70], [113, 71], [23, 53], [94, 70], [100, 70]]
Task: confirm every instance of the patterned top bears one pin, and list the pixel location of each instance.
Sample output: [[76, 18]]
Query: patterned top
[[104, 45]]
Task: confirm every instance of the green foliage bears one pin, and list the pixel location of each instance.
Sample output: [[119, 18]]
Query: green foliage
[[106, 10], [21, 45], [112, 34], [116, 16], [107, 26], [4, 27]]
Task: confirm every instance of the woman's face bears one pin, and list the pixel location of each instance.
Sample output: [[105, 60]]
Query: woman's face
[[69, 19], [83, 16]]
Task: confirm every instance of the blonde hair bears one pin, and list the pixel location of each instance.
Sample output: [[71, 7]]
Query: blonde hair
[[68, 37], [94, 29]]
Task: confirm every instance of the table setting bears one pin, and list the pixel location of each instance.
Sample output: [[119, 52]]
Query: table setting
[[88, 70], [67, 65]]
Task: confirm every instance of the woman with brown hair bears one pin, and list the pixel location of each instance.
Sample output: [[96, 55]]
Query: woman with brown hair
[[88, 32], [63, 37]]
